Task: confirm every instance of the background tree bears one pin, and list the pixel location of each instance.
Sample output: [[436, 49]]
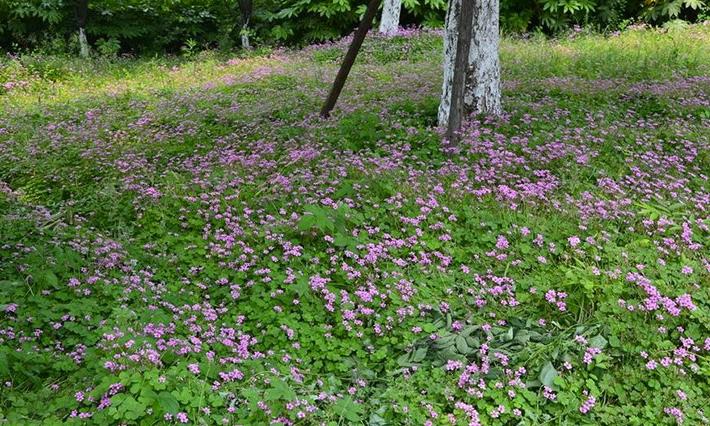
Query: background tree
[[390, 16], [81, 11], [245, 9], [482, 94], [158, 26]]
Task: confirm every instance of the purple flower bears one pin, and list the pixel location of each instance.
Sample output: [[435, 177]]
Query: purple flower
[[588, 404], [182, 417], [674, 412], [502, 243]]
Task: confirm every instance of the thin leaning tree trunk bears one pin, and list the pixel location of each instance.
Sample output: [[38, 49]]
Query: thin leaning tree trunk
[[350, 57], [389, 24]]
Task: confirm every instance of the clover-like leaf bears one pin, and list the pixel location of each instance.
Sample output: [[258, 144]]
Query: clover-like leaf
[[548, 374]]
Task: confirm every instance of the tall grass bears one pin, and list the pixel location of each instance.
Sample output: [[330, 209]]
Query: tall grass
[[635, 54]]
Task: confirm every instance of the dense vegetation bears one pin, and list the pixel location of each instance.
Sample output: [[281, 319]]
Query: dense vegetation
[[144, 26], [185, 241]]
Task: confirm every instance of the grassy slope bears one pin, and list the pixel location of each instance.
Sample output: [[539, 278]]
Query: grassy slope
[[200, 203]]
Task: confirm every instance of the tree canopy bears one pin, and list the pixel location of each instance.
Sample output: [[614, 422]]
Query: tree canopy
[[166, 25]]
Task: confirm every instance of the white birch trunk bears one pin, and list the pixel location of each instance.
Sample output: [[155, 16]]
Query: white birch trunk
[[483, 92], [389, 24], [450, 34], [83, 44], [245, 36]]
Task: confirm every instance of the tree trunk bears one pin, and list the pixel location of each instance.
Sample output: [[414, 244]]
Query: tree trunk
[[389, 24], [483, 93], [245, 9], [83, 44], [461, 72], [82, 11], [450, 35], [245, 37], [350, 56]]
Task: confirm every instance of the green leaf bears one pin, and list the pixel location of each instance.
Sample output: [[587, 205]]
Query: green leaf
[[461, 345], [548, 374], [307, 222], [184, 396], [4, 365], [252, 396], [598, 342], [694, 4], [614, 341], [523, 336], [280, 390], [508, 335], [132, 408], [404, 360], [345, 190], [342, 240], [348, 409], [377, 420], [168, 402], [473, 342], [301, 286], [419, 354], [51, 279]]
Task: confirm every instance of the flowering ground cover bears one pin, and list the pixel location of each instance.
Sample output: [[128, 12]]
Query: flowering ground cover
[[186, 241]]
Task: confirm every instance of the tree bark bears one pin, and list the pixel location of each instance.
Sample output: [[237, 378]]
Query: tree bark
[[389, 24], [245, 37], [82, 11], [453, 11], [483, 93], [461, 72], [245, 9], [83, 44]]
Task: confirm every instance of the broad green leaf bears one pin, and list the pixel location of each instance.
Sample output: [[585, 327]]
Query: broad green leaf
[[548, 374], [419, 354], [598, 342], [461, 345], [348, 409], [168, 402]]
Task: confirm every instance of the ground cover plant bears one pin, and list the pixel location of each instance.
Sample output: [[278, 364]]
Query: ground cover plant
[[185, 240]]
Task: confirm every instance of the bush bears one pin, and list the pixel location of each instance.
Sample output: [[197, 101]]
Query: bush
[[166, 25]]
